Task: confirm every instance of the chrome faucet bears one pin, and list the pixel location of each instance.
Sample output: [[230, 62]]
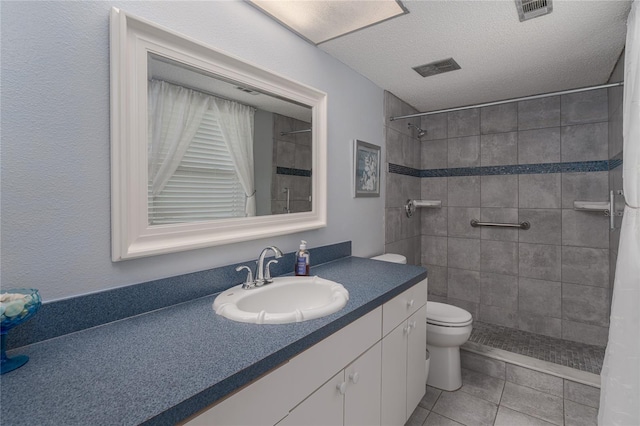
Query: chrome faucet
[[262, 275], [263, 278]]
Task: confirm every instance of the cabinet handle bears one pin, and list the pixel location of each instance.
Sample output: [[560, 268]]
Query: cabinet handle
[[342, 388], [410, 303], [412, 324], [354, 377], [406, 329]]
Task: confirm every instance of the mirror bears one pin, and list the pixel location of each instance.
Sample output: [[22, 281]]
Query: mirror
[[207, 149], [193, 174]]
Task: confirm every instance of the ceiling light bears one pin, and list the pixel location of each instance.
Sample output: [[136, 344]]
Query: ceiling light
[[318, 21]]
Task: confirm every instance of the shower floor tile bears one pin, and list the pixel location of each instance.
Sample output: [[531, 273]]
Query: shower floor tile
[[576, 355]]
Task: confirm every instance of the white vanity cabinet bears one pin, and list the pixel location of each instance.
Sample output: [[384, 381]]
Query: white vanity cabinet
[[353, 377], [348, 398], [403, 354]]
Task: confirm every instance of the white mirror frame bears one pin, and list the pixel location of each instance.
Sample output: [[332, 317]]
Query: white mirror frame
[[132, 39]]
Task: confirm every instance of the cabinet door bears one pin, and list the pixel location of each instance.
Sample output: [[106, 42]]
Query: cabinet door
[[324, 407], [361, 400], [416, 355], [393, 404]]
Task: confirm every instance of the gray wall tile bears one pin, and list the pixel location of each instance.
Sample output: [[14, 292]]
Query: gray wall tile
[[433, 189], [434, 154], [463, 253], [543, 298], [464, 191], [582, 394], [585, 229], [499, 215], [546, 226], [583, 265], [469, 306], [434, 250], [534, 403], [585, 142], [437, 279], [536, 380], [539, 113], [582, 303], [459, 222], [393, 230], [585, 333], [499, 257], [464, 151], [541, 191], [435, 126], [393, 194], [539, 146], [587, 186], [540, 261], [499, 118], [394, 106], [584, 107], [504, 316], [433, 221], [464, 285], [535, 323], [499, 149], [463, 123], [498, 290], [499, 191]]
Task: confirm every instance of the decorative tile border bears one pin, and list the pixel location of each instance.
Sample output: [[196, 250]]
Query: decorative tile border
[[61, 317], [615, 161], [517, 169], [292, 172]]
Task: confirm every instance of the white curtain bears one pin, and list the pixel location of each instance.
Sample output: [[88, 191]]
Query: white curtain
[[620, 389], [236, 122], [175, 113]]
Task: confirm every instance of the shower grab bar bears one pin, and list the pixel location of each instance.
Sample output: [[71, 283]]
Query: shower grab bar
[[522, 225]]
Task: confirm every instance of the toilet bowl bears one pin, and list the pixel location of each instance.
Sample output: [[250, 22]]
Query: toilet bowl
[[448, 327], [391, 257]]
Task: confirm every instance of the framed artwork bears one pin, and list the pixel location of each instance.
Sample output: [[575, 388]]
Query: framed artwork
[[366, 169]]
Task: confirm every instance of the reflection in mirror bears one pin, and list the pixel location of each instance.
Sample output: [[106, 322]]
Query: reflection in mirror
[[218, 149]]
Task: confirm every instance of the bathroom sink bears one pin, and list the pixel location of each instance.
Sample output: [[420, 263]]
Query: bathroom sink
[[285, 300]]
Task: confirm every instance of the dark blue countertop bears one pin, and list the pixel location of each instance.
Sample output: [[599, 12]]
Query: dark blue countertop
[[165, 365]]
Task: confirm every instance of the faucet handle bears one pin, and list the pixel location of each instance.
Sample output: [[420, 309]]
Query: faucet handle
[[249, 281], [267, 272]]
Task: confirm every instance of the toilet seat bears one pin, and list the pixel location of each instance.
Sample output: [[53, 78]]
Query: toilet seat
[[445, 315]]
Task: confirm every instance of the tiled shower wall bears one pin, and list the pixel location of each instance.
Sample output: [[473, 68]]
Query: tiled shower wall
[[291, 166], [525, 161], [402, 234]]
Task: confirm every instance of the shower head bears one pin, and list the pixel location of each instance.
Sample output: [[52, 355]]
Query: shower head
[[421, 132]]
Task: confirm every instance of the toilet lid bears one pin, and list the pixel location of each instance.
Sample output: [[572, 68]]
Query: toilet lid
[[443, 314], [391, 257]]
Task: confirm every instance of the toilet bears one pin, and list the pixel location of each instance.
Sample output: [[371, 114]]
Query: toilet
[[448, 327]]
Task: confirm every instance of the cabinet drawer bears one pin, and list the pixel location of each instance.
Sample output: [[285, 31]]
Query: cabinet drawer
[[403, 306]]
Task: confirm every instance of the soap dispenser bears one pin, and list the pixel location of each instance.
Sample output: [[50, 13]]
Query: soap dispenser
[[302, 260]]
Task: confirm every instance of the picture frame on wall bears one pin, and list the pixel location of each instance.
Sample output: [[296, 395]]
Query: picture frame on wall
[[366, 169]]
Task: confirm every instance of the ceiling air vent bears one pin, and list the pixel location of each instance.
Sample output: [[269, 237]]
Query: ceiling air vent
[[529, 9], [437, 67]]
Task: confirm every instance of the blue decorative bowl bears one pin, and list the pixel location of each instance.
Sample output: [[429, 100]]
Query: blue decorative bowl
[[16, 306]]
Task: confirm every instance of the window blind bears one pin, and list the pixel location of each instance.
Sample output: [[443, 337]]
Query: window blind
[[205, 185]]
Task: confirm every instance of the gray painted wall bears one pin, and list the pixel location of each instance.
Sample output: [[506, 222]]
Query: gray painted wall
[[55, 140]]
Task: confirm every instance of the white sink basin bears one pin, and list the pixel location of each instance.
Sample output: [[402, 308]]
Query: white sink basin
[[285, 300]]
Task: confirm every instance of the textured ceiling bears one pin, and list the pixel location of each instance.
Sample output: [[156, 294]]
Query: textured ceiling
[[576, 45]]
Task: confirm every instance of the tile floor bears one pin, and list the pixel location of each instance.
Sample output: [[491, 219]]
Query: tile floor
[[563, 352], [486, 400]]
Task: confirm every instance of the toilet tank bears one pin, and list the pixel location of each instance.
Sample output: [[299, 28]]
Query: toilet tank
[[391, 257]]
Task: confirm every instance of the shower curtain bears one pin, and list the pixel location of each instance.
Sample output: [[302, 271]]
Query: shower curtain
[[620, 388]]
